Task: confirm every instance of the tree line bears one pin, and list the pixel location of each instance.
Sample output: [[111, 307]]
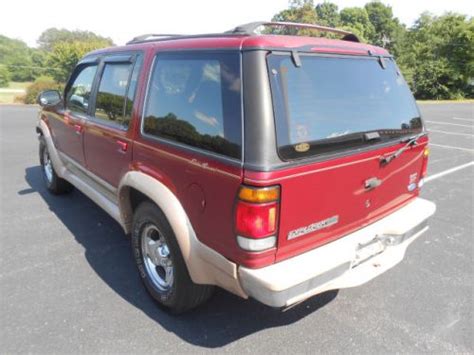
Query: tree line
[[58, 52], [436, 54]]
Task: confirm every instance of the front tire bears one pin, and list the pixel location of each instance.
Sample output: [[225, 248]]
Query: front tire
[[54, 183], [160, 263]]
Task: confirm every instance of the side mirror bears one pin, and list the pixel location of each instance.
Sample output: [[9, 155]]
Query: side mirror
[[49, 98]]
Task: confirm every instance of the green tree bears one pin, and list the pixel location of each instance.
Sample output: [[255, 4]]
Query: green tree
[[328, 14], [4, 76], [52, 36], [15, 55], [357, 21], [437, 56], [65, 55], [301, 11], [388, 31]]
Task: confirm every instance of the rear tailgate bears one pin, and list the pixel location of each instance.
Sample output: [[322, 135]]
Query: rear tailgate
[[325, 201], [336, 117]]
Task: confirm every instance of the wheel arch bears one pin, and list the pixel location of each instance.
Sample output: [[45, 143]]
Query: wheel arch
[[205, 265], [43, 130]]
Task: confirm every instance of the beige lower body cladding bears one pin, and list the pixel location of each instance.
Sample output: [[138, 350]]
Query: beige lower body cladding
[[338, 264]]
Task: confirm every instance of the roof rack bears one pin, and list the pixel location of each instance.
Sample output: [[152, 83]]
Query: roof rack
[[152, 37], [251, 27], [246, 29]]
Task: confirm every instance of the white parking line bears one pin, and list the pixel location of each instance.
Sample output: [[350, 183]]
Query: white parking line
[[451, 147], [464, 119], [449, 171], [451, 124], [453, 133]]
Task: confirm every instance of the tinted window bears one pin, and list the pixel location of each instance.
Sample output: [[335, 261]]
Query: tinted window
[[111, 93], [132, 89], [328, 103], [195, 99], [79, 93]]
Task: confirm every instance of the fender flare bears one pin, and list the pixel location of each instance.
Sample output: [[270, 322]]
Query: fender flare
[[59, 167], [205, 265]]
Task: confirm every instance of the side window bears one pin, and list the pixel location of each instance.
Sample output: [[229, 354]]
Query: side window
[[78, 96], [195, 99], [110, 99], [132, 89]]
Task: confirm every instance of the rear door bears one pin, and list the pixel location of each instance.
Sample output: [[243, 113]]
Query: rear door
[[68, 124], [337, 117], [107, 137]]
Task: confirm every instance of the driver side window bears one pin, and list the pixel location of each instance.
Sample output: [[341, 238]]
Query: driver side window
[[78, 96]]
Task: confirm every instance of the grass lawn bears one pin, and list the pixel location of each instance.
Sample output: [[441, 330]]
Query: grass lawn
[[8, 97]]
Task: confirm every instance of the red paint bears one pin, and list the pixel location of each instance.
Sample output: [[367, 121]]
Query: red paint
[[179, 170], [318, 191], [65, 128], [208, 188], [104, 155]]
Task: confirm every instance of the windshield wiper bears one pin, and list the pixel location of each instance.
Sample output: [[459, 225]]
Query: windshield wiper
[[410, 141]]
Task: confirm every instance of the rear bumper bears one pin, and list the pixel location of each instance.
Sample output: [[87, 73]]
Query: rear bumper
[[347, 262]]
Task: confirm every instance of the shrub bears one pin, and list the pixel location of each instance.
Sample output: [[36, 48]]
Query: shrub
[[4, 77], [19, 99], [41, 84]]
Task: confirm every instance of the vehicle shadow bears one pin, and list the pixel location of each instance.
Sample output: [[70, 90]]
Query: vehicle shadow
[[224, 319]]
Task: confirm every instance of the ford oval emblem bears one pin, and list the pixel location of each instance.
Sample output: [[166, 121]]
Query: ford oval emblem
[[412, 186], [302, 147]]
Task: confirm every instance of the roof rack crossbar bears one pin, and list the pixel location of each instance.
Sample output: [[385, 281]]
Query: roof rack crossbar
[[251, 27], [151, 37]]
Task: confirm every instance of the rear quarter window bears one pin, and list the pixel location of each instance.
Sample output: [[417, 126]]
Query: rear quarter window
[[194, 99]]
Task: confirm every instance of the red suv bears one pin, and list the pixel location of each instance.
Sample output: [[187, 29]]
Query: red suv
[[276, 167]]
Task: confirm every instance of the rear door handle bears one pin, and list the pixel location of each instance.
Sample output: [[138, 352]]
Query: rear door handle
[[78, 129], [123, 145]]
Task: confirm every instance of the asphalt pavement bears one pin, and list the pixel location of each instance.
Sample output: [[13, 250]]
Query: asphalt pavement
[[68, 282]]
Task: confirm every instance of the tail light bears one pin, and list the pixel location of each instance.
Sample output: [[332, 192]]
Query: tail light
[[424, 166], [256, 217]]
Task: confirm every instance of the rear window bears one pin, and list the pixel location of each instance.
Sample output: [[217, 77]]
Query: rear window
[[328, 104], [194, 99]]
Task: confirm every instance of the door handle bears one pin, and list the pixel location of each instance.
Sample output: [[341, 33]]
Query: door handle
[[123, 145], [78, 129]]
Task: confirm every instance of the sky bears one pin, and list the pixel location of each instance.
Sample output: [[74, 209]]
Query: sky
[[121, 21]]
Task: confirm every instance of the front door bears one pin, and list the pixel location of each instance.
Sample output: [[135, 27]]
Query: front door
[[68, 123]]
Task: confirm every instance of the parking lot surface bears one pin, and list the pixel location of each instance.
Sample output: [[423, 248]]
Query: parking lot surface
[[68, 282]]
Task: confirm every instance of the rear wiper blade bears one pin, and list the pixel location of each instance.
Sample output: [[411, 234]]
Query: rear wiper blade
[[410, 141]]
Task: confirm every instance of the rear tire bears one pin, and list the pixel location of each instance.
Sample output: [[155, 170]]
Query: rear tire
[[54, 183], [160, 263]]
